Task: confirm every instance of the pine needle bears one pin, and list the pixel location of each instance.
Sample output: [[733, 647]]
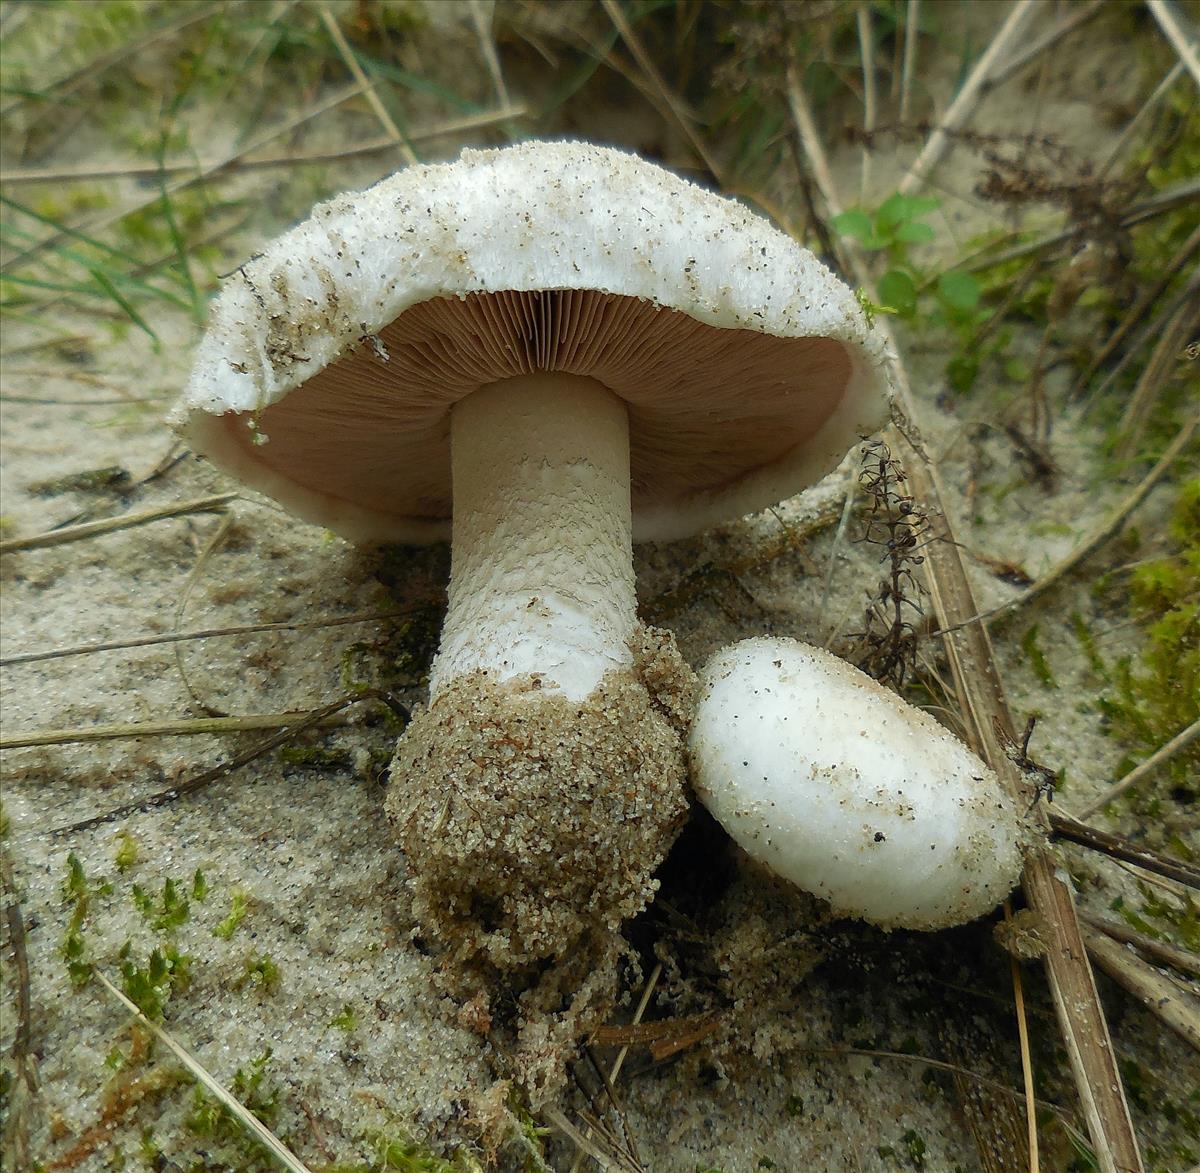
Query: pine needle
[[251, 1123]]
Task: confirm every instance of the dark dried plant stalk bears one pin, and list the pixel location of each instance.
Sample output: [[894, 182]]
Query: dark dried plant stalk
[[886, 648]]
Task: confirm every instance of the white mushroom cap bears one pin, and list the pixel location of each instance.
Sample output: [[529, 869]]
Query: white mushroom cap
[[833, 782], [333, 358]]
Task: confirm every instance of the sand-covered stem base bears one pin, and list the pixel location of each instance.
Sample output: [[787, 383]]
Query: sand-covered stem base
[[532, 824]]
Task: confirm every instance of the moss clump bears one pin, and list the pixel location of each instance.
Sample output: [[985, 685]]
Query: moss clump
[[1157, 695]]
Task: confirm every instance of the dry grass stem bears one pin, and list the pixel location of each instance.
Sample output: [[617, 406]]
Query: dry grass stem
[[108, 525], [147, 641], [243, 1115], [1118, 847], [449, 128], [1168, 22], [1138, 311], [185, 727], [1179, 959], [96, 224], [1167, 352], [967, 98], [200, 781], [1163, 754], [367, 86], [986, 716], [1100, 534], [672, 103], [1129, 134], [482, 15], [1171, 1004], [1177, 195], [866, 43], [1077, 15], [912, 22]]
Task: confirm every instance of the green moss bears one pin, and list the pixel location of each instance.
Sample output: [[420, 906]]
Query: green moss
[[223, 1133], [1037, 658], [126, 853], [168, 912], [1156, 694], [237, 913], [259, 973], [347, 1020], [93, 480], [78, 891], [149, 986]]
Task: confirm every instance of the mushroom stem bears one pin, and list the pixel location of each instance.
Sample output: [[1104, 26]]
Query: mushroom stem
[[541, 580]]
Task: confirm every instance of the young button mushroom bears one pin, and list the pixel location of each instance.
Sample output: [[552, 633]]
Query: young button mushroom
[[833, 782], [562, 348]]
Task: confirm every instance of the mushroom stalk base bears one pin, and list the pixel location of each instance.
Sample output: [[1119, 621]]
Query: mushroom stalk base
[[541, 582]]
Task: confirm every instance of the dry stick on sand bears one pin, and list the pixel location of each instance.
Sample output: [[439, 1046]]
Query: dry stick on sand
[[1163, 754], [1180, 959], [108, 525], [1168, 22], [977, 683], [1118, 847], [1163, 997], [146, 641], [1161, 365], [367, 86], [967, 97], [240, 1112], [184, 727], [371, 146], [191, 785]]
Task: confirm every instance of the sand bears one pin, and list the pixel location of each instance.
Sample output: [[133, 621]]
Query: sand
[[796, 1036]]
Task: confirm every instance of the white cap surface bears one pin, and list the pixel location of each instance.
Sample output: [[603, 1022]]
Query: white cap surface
[[835, 783], [333, 358]]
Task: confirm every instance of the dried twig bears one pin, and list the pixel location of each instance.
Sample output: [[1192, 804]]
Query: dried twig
[[1117, 846], [675, 108], [108, 525], [967, 98], [367, 86], [1076, 15], [866, 42], [985, 713], [147, 641], [185, 727], [1163, 754], [1171, 1005], [240, 1112], [912, 21], [191, 785], [372, 146], [1168, 22], [1180, 959]]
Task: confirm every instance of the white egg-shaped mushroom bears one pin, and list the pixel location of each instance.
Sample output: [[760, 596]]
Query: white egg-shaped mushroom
[[832, 781]]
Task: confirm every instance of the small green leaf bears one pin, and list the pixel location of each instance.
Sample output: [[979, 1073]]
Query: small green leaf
[[855, 223], [914, 232], [959, 290], [897, 290], [962, 371]]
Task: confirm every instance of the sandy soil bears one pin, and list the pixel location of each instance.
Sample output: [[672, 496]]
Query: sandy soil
[[324, 966]]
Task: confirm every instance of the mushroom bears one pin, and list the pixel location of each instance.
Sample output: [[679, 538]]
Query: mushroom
[[833, 782], [562, 348]]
